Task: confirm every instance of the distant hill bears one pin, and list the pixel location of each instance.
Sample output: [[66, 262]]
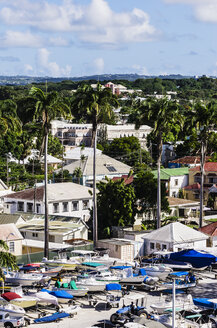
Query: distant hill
[[23, 80]]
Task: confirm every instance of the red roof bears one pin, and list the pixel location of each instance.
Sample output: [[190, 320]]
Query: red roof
[[189, 160], [194, 186], [210, 229], [127, 180], [208, 167]]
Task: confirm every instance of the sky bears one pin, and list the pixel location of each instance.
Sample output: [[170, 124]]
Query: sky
[[69, 38]]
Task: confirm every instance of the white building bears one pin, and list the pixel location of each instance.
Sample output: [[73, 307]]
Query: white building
[[105, 167], [173, 237], [68, 199], [10, 234], [73, 134]]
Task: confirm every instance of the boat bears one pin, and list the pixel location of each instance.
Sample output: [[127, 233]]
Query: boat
[[207, 303], [91, 283], [174, 265], [182, 303], [181, 322], [21, 301], [13, 310], [197, 259], [159, 271], [64, 263], [25, 279], [71, 288], [53, 317], [61, 295], [45, 298], [70, 309]]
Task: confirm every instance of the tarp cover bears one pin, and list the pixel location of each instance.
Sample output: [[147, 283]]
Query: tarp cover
[[179, 274], [61, 294], [113, 287], [120, 267], [9, 296], [197, 259], [204, 302], [52, 317]]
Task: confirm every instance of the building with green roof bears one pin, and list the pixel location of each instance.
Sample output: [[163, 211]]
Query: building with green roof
[[174, 179]]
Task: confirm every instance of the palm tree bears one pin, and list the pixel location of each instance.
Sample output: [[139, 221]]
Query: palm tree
[[48, 107], [201, 119], [94, 106], [7, 260], [8, 117], [164, 117]]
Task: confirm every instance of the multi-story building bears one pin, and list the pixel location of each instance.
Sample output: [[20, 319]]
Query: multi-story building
[[72, 135]]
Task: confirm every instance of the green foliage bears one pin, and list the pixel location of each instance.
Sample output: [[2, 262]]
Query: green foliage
[[7, 260], [127, 150], [116, 205]]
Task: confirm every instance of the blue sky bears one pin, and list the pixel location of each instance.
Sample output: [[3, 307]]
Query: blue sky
[[85, 37]]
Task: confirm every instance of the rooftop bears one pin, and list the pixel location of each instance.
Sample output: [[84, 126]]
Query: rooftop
[[9, 232], [173, 201], [208, 167], [189, 160], [210, 229], [166, 174]]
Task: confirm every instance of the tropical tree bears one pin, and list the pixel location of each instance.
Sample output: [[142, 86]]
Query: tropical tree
[[7, 260], [9, 120], [200, 120], [164, 117], [94, 106], [48, 106]]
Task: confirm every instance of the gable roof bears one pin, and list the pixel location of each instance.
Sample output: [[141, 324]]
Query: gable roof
[[194, 186], [176, 233], [210, 229], [189, 160], [209, 167], [103, 165], [9, 232], [166, 174], [174, 201], [56, 192], [10, 218]]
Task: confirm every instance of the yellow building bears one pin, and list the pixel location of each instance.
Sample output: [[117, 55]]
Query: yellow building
[[192, 191]]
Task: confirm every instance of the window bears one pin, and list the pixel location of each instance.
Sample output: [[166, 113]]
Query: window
[[38, 208], [152, 246], [51, 239], [174, 194], [56, 207], [34, 234], [197, 196], [74, 206], [110, 168], [65, 207], [85, 204], [29, 207], [164, 247], [176, 182], [20, 206], [11, 246]]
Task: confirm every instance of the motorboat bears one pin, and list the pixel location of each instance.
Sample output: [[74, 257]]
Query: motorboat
[[197, 259], [174, 265], [25, 279], [182, 303], [20, 301], [64, 263], [91, 283], [71, 288], [61, 295], [44, 298], [181, 322], [13, 310], [159, 271]]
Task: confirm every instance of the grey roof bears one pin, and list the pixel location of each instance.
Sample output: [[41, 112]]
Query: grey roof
[[56, 192], [175, 232], [9, 218], [103, 163]]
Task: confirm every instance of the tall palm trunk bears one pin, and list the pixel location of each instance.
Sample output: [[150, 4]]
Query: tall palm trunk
[[160, 146], [202, 163], [46, 223], [95, 222]]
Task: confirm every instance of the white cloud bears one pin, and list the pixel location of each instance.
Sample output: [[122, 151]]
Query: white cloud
[[20, 39], [93, 23], [205, 10], [50, 68], [99, 65], [142, 70]]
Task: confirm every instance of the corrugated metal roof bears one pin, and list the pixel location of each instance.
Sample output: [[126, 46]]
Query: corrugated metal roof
[[208, 167], [165, 174]]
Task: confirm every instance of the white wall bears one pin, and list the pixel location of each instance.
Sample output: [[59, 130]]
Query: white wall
[[174, 188]]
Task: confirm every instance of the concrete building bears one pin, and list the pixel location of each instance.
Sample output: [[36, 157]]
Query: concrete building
[[72, 135], [173, 237], [184, 208], [174, 179], [68, 199], [105, 167], [13, 238]]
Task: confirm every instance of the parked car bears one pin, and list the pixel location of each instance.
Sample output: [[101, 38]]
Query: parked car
[[10, 322]]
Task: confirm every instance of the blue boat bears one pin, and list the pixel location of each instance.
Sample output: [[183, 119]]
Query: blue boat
[[53, 317], [61, 295], [205, 302], [196, 259]]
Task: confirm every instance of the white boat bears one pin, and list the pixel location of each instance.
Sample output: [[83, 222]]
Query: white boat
[[64, 263], [79, 291], [24, 301], [45, 298], [182, 303], [159, 271], [92, 284], [13, 310], [70, 309], [25, 279], [166, 320]]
